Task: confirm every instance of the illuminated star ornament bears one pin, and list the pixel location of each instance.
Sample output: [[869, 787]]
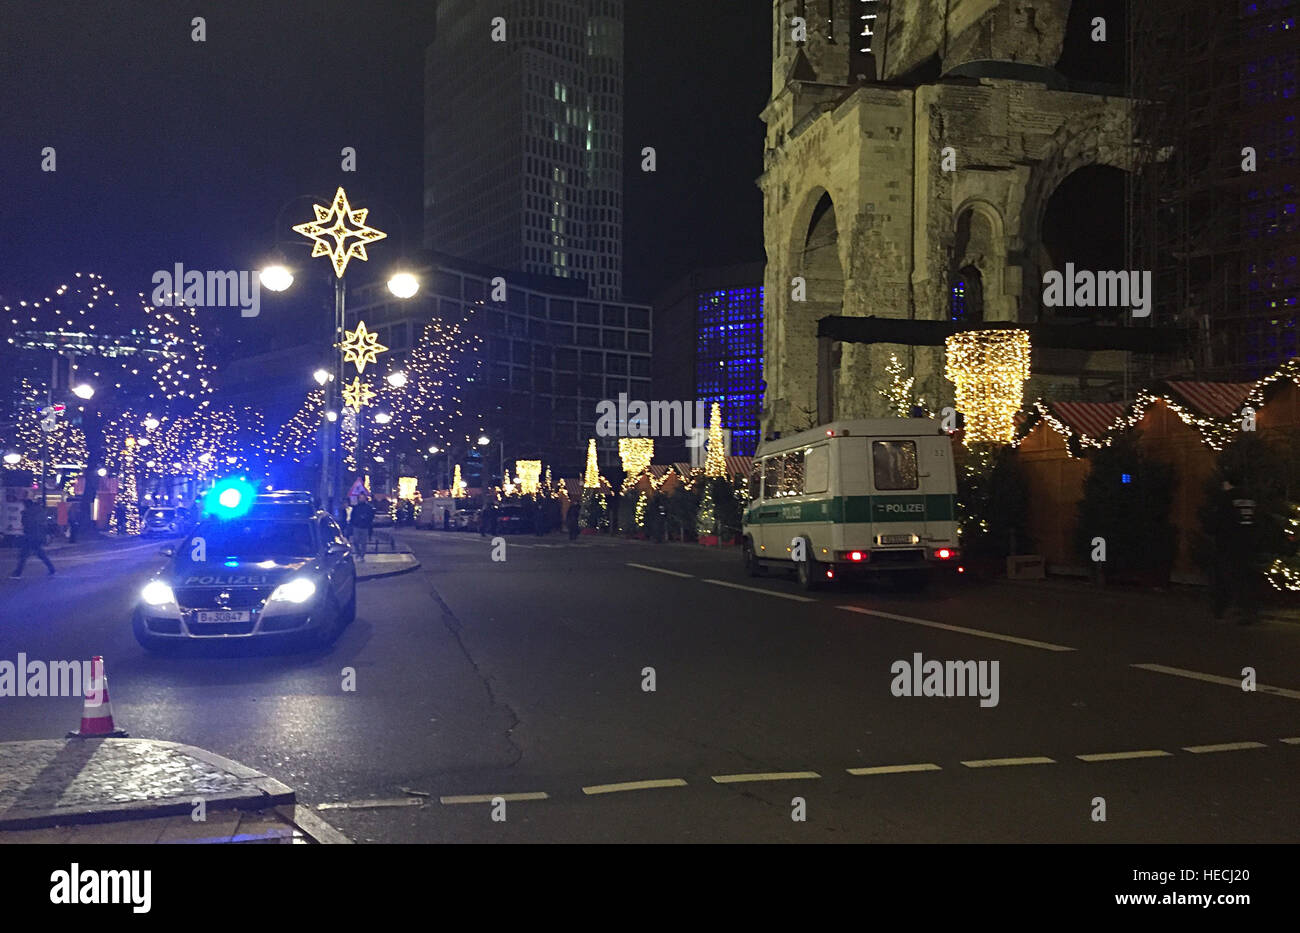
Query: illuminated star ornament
[[358, 395], [360, 346], [333, 223]]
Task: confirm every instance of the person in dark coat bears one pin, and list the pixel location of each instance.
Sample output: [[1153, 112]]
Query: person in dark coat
[[571, 520], [33, 537], [362, 520]]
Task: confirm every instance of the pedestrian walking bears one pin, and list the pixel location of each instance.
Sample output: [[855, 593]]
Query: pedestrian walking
[[362, 520], [571, 520], [33, 537], [1236, 569]]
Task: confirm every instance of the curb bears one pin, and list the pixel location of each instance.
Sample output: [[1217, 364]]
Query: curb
[[313, 826], [389, 573], [270, 793]]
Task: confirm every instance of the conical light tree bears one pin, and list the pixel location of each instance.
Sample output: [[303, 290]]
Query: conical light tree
[[458, 488], [593, 498], [714, 462]]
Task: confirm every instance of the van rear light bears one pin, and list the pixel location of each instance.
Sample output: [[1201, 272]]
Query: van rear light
[[855, 555]]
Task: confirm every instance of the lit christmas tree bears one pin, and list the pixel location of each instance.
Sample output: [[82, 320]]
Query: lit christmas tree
[[592, 514], [127, 493], [458, 487], [714, 463], [897, 393]]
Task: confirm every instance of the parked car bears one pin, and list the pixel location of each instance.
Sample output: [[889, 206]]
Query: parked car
[[165, 521], [466, 520], [514, 519]]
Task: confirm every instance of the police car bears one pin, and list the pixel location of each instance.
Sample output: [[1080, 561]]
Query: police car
[[268, 566]]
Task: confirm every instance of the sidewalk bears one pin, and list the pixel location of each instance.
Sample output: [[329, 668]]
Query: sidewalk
[[142, 791]]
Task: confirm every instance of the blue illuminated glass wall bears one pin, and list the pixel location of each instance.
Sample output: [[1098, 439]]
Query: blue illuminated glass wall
[[729, 360], [1266, 335]]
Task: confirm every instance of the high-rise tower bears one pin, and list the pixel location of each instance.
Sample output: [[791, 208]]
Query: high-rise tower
[[524, 135]]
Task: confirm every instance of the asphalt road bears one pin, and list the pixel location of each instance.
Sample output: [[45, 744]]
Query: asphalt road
[[477, 678]]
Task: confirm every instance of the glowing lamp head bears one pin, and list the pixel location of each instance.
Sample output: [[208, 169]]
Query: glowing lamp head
[[403, 285], [383, 417], [433, 448], [83, 391], [397, 380], [321, 376], [276, 278], [484, 440], [150, 423], [11, 458], [102, 471], [332, 415]]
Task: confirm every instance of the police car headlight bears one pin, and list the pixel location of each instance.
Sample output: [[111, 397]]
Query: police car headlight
[[297, 590], [157, 593]]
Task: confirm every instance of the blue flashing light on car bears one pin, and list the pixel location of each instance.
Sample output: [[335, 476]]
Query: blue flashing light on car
[[230, 498]]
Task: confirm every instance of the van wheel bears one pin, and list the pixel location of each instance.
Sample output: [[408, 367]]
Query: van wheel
[[809, 574], [753, 566]]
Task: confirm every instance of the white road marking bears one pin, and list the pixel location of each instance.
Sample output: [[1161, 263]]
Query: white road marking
[[895, 769], [671, 573], [759, 589], [633, 785], [1124, 756], [1028, 642], [1007, 762], [1294, 741], [1223, 747], [1215, 679], [488, 798], [371, 804], [765, 776]]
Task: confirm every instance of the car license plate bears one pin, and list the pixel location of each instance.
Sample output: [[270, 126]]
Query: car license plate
[[897, 539], [225, 615]]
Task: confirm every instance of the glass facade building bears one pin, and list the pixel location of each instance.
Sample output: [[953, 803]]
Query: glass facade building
[[524, 138], [549, 355], [709, 348]]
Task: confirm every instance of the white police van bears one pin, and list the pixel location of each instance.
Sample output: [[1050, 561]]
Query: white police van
[[867, 496]]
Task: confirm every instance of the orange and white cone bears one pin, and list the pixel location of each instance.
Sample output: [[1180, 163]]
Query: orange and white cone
[[97, 712]]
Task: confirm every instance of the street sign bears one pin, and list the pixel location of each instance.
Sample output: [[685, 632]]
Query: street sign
[[49, 423]]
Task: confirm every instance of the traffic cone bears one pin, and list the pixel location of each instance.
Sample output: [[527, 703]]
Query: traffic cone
[[97, 712]]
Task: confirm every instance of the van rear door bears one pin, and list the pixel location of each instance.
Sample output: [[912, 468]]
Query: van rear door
[[898, 502]]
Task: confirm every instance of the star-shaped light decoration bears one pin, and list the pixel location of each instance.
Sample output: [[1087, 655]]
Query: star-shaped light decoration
[[358, 395], [360, 346], [333, 222]]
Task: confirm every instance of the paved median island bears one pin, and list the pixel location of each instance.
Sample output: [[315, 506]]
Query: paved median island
[[138, 790]]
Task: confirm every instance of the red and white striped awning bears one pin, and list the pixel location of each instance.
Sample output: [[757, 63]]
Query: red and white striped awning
[[1091, 419], [1211, 399]]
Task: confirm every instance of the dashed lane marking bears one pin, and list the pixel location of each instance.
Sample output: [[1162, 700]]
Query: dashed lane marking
[[759, 589], [632, 785], [1125, 756], [1223, 747], [765, 776], [895, 769], [1009, 762], [961, 629], [671, 573], [1291, 741], [1215, 679], [488, 798]]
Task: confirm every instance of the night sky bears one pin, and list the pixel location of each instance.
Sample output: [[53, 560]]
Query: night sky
[[175, 151]]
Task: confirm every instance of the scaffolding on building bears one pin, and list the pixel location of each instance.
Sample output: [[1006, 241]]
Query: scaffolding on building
[[1213, 80]]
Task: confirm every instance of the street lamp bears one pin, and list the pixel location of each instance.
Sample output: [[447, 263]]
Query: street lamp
[[150, 423], [403, 285], [11, 458], [321, 376], [383, 417], [397, 380], [276, 277], [332, 415], [83, 390]]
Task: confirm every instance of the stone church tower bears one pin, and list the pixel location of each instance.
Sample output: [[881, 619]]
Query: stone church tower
[[902, 163]]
